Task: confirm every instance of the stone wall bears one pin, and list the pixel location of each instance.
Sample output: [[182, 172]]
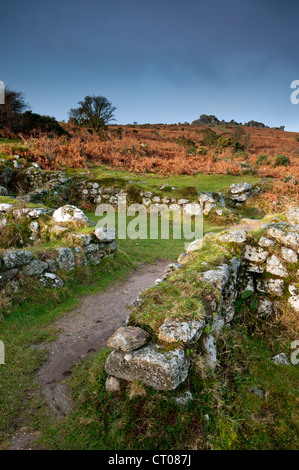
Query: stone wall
[[259, 267]]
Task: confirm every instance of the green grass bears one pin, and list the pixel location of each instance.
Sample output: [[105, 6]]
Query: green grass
[[238, 419], [154, 182]]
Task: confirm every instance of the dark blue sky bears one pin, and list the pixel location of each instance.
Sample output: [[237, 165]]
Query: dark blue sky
[[156, 60]]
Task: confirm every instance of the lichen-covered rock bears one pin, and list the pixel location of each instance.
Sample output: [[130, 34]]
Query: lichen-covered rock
[[15, 258], [51, 280], [82, 238], [128, 339], [7, 276], [234, 236], [218, 276], [193, 209], [280, 233], [240, 188], [289, 255], [281, 358], [34, 268], [275, 287], [162, 370], [105, 235], [112, 384], [66, 258], [3, 191], [255, 255], [186, 332], [69, 213], [195, 245], [170, 269], [58, 229], [184, 398], [265, 307], [211, 351], [265, 242], [292, 215], [4, 207], [294, 297], [275, 266]]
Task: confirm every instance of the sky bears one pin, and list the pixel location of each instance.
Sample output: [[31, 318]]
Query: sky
[[158, 61]]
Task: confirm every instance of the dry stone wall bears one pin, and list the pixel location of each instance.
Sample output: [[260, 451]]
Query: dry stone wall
[[260, 266]]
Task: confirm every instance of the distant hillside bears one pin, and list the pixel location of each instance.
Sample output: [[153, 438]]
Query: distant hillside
[[212, 120]]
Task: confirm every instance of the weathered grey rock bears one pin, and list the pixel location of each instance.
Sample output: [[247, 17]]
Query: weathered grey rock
[[15, 258], [218, 276], [211, 351], [186, 332], [281, 359], [275, 266], [257, 392], [7, 276], [183, 201], [82, 238], [240, 188], [34, 268], [170, 269], [184, 398], [266, 242], [128, 339], [265, 307], [112, 384], [4, 207], [235, 236], [193, 209], [289, 255], [254, 268], [162, 370], [51, 280], [3, 191], [66, 259], [280, 233], [292, 215], [58, 229], [105, 235], [255, 255], [275, 287], [294, 297], [71, 214], [195, 245]]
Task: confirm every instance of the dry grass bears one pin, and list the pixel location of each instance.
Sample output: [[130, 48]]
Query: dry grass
[[159, 149]]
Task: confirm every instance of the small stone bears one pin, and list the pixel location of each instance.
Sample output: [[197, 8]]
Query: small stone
[[257, 392], [240, 188], [292, 215], [211, 351], [70, 213], [186, 332], [265, 307], [235, 236], [66, 259], [51, 280], [266, 242], [275, 266], [184, 399], [255, 255], [112, 384], [280, 359], [34, 268], [105, 234], [289, 255], [128, 338]]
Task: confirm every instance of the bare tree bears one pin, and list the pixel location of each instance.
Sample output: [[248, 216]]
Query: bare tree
[[94, 112]]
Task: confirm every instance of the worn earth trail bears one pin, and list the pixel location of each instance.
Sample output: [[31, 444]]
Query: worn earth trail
[[83, 331]]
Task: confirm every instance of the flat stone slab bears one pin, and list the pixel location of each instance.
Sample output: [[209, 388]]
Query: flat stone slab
[[162, 370]]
